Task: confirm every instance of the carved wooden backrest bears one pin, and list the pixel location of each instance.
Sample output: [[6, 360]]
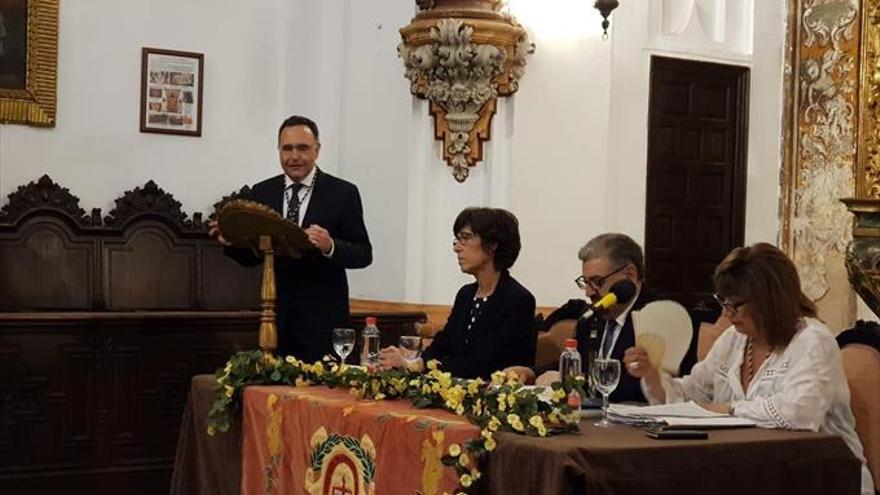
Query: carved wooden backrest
[[146, 254]]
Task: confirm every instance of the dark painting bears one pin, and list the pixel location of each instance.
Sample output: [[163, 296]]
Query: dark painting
[[13, 44]]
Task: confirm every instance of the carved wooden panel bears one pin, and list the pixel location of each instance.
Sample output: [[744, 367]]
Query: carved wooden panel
[[149, 269], [696, 173], [44, 265], [218, 291], [90, 402]]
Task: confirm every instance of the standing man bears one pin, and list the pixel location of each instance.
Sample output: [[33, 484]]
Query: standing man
[[312, 292]]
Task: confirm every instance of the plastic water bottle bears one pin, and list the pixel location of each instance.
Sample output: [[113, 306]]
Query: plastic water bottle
[[570, 366], [370, 350]]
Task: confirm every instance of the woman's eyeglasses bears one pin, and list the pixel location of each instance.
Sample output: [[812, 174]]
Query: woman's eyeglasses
[[463, 237], [727, 304], [596, 282]]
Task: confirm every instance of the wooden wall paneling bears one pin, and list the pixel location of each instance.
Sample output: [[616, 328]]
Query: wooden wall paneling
[[224, 283], [90, 401], [49, 406], [131, 278], [46, 265]]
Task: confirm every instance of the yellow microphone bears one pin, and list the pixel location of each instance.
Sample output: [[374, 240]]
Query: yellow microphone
[[621, 291]]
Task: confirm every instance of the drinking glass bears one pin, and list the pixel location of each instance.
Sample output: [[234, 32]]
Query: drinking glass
[[343, 342], [606, 374], [410, 347]]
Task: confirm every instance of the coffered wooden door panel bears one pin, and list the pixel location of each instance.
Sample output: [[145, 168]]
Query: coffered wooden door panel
[[696, 173]]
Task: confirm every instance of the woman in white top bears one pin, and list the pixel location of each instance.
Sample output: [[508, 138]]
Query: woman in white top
[[776, 365]]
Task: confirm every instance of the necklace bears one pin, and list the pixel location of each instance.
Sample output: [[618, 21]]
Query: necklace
[[750, 359]]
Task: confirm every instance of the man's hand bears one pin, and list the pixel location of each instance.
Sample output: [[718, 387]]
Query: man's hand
[[547, 378], [214, 231], [524, 373], [320, 237]]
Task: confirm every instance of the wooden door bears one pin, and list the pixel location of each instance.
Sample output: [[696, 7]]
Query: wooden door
[[696, 173]]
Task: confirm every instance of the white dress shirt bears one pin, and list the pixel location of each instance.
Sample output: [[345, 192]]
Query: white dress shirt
[[305, 195], [618, 328], [801, 387]]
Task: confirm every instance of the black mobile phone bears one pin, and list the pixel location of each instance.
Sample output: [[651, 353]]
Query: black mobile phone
[[663, 434]]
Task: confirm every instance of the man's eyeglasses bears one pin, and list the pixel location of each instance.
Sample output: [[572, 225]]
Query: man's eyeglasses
[[596, 282], [726, 304]]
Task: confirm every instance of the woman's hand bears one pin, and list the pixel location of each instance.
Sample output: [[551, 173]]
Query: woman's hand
[[723, 408], [524, 373], [547, 378], [390, 358], [637, 364]]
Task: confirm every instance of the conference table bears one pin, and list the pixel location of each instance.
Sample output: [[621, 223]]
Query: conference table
[[316, 440]]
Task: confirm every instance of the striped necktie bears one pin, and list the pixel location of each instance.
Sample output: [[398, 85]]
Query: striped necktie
[[293, 203], [608, 343]]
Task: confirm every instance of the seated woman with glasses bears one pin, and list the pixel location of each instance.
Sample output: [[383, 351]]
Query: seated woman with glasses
[[777, 364], [491, 325]]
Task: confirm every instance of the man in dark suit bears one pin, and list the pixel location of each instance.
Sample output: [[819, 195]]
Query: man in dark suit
[[312, 292], [605, 260]]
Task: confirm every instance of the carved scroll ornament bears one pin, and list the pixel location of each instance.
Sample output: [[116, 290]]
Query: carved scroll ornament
[[461, 56], [824, 137], [863, 252]]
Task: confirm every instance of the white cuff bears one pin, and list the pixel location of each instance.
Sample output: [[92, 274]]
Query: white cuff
[[332, 249]]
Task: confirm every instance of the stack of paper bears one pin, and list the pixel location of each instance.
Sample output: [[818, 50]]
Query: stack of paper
[[681, 415]]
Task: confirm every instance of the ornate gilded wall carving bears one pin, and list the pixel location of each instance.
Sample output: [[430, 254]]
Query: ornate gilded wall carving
[[461, 56], [822, 76], [863, 253]]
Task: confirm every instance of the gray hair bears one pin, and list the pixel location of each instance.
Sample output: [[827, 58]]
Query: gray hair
[[620, 249]]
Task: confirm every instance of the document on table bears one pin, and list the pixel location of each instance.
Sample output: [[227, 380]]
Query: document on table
[[680, 415]]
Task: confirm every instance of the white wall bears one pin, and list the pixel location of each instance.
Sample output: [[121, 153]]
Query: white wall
[[559, 169], [567, 154], [96, 149]]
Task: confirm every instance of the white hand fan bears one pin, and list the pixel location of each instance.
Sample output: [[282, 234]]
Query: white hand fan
[[663, 329]]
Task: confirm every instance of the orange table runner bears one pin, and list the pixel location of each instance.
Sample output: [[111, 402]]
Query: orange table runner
[[318, 441]]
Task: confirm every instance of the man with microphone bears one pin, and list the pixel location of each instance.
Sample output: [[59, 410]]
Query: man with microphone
[[606, 261]]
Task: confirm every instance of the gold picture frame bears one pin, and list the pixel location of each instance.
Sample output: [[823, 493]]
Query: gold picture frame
[[29, 69]]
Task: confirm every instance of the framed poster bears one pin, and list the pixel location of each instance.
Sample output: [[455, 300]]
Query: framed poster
[[171, 91], [28, 61]]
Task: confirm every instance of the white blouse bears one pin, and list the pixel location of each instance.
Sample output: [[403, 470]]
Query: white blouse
[[802, 387]]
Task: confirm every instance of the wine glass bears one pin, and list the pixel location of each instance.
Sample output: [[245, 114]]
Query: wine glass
[[606, 374], [410, 347], [343, 342]]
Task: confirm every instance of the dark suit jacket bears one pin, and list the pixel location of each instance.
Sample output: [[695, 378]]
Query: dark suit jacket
[[628, 388], [503, 336], [312, 292]]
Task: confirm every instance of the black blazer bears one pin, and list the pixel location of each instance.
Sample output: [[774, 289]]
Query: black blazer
[[312, 292], [503, 336]]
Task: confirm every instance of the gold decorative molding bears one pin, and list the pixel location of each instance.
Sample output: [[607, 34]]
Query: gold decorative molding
[[821, 134], [35, 104], [868, 171], [461, 55]]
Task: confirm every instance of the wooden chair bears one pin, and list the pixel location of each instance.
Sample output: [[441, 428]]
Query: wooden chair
[[551, 342], [707, 335], [861, 363]]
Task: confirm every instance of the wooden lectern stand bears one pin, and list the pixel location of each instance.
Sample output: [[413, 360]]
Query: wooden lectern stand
[[256, 226]]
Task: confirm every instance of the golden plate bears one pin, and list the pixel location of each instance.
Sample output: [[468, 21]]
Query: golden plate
[[242, 223]]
